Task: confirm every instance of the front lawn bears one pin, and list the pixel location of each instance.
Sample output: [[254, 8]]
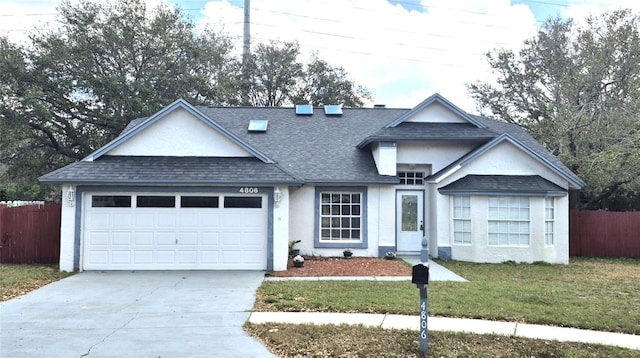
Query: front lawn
[[599, 294], [288, 340], [16, 280]]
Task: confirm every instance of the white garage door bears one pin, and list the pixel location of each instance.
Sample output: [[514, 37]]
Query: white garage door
[[174, 231]]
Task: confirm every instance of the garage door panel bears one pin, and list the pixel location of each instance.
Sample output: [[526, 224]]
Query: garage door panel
[[188, 238], [144, 219], [166, 219], [99, 220], [209, 257], [121, 238], [121, 219], [250, 257], [209, 219], [230, 239], [231, 256], [174, 238], [98, 238], [143, 237], [98, 257], [188, 220], [187, 257], [165, 257], [231, 219], [120, 257], [143, 257], [165, 238], [209, 238], [252, 238]]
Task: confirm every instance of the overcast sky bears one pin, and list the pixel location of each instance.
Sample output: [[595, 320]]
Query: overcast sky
[[401, 50]]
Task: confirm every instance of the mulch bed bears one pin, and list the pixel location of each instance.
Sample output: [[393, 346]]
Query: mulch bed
[[339, 266]]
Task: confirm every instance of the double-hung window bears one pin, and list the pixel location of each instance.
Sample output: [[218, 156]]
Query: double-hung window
[[549, 220], [462, 219], [509, 223], [340, 220]]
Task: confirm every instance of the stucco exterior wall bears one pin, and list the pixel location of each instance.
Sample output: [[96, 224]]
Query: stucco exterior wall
[[380, 221], [438, 155], [281, 231], [180, 134], [67, 231], [505, 159], [301, 218], [386, 216], [437, 112], [385, 156]]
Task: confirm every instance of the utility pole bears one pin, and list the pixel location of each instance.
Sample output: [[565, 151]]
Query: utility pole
[[246, 48], [247, 31]]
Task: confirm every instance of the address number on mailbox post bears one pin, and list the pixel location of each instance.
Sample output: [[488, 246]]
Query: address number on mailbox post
[[420, 276]]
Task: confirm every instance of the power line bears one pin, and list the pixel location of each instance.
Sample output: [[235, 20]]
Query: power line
[[339, 35]]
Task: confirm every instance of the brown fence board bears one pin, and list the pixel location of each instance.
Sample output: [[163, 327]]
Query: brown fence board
[[604, 234], [30, 234]]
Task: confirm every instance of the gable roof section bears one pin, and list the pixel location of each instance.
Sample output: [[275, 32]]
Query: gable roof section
[[141, 125], [146, 170], [429, 131], [512, 185], [443, 101], [535, 151]]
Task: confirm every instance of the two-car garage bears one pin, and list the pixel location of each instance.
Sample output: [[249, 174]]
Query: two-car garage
[[174, 231]]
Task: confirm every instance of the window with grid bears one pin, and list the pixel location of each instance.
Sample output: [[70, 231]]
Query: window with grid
[[411, 178], [462, 219], [340, 216], [549, 220], [509, 221]]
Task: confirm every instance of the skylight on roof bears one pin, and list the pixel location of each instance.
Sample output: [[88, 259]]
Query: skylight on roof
[[332, 109], [258, 125], [304, 109]]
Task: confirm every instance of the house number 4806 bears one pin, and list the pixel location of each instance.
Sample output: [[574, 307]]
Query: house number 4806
[[248, 190]]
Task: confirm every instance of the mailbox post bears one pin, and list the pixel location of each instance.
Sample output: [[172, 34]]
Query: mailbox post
[[420, 276]]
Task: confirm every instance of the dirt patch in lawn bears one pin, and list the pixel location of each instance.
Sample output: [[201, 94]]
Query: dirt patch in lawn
[[338, 266]]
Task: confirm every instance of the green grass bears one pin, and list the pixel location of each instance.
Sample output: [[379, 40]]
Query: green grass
[[287, 340], [594, 294], [16, 280]]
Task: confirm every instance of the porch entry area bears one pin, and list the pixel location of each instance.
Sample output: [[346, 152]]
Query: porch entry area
[[409, 220]]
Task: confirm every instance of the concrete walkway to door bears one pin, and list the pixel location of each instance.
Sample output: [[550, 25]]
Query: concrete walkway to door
[[134, 314]]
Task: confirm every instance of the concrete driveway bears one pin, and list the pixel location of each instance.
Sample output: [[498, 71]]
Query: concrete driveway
[[134, 314]]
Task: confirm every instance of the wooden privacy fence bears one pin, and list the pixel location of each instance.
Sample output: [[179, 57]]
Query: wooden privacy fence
[[604, 234], [30, 234]]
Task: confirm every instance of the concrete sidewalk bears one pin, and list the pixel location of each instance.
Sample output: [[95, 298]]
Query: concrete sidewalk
[[452, 325]]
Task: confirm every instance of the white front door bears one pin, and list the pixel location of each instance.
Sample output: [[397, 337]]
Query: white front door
[[409, 220]]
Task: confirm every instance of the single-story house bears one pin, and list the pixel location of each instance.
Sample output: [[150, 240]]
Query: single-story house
[[228, 188]]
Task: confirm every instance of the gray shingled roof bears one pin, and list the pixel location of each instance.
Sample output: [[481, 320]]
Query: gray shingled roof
[[315, 149], [170, 171], [430, 131], [526, 185]]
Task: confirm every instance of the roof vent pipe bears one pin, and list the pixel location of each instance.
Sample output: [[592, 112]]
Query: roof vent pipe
[[379, 106]]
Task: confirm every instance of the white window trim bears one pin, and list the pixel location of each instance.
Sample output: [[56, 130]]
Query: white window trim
[[528, 221], [454, 219], [552, 221]]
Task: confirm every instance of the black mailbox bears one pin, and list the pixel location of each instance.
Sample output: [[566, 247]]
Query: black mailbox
[[420, 274]]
